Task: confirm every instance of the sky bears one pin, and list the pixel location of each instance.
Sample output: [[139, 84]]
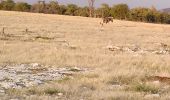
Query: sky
[[159, 4]]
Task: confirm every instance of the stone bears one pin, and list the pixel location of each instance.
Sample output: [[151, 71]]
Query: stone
[[2, 91], [14, 99], [38, 82], [117, 86], [21, 84], [35, 64], [60, 94], [7, 85], [156, 83]]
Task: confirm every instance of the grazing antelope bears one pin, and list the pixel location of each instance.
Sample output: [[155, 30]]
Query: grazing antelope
[[106, 20]]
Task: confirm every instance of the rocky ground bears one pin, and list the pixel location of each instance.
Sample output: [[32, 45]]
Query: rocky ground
[[28, 75]]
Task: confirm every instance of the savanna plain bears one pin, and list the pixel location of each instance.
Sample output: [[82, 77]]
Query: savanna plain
[[122, 60]]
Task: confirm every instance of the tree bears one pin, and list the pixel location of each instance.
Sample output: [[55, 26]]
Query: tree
[[103, 11], [150, 17], [52, 8], [145, 15], [153, 8], [159, 17], [139, 14], [91, 7], [8, 5], [71, 9], [39, 7], [22, 6], [62, 9], [34, 8], [82, 12], [166, 18], [0, 5], [120, 11]]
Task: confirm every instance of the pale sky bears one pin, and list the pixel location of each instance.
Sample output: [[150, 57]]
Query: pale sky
[[159, 4]]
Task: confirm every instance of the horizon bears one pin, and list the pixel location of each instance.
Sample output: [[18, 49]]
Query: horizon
[[131, 3]]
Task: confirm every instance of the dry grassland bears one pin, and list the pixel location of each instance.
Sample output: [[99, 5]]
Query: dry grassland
[[123, 57]]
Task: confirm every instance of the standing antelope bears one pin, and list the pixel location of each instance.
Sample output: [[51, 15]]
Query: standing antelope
[[106, 20]]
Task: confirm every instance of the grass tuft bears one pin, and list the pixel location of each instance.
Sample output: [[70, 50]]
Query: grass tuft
[[146, 88], [52, 91]]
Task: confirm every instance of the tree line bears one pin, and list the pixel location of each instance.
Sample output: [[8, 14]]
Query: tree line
[[119, 11]]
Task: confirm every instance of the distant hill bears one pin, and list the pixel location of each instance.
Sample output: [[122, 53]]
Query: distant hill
[[167, 10]]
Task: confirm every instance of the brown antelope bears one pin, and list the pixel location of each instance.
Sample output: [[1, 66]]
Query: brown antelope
[[106, 20]]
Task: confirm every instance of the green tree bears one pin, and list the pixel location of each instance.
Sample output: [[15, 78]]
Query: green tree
[[71, 9], [82, 12], [103, 11], [120, 11], [35, 8], [62, 9], [166, 18], [139, 14], [8, 5], [150, 16], [0, 5], [52, 7], [22, 6], [162, 17], [159, 17]]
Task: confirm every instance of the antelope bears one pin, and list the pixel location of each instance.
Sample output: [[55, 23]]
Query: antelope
[[106, 20]]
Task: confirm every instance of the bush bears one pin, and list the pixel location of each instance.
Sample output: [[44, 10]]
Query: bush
[[52, 91], [146, 88]]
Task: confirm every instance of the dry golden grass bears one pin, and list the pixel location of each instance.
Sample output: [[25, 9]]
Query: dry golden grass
[[76, 41]]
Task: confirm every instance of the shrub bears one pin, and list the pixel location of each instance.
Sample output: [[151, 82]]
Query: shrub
[[52, 91], [146, 88]]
